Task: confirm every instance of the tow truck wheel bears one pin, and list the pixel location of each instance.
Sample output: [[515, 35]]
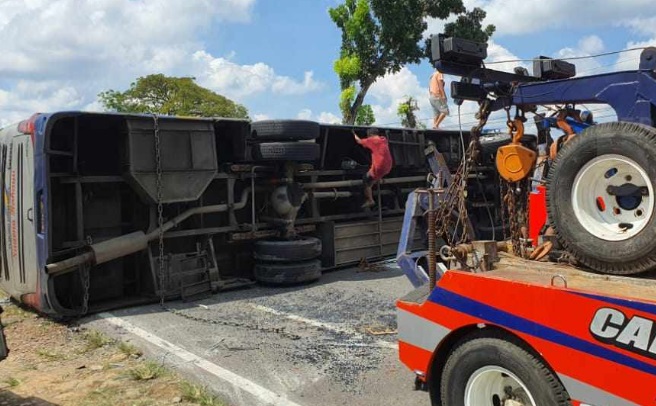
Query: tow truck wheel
[[496, 372], [601, 201]]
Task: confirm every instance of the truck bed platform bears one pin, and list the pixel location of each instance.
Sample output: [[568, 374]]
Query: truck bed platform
[[564, 275]]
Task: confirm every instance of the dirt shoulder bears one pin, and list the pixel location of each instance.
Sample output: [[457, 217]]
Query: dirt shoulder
[[57, 364]]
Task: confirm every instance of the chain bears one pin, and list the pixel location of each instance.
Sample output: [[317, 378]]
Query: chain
[[456, 194], [86, 284], [510, 202], [253, 327], [160, 208], [515, 202], [161, 270]]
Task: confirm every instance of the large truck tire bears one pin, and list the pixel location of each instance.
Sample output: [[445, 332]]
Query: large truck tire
[[285, 130], [286, 151], [283, 274], [293, 250], [604, 227], [480, 370]]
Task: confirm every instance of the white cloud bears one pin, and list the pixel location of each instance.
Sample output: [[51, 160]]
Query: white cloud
[[517, 17], [497, 53], [82, 47], [286, 85], [323, 117], [586, 46], [261, 116], [28, 97], [305, 114], [329, 118], [91, 37], [642, 25], [239, 81]]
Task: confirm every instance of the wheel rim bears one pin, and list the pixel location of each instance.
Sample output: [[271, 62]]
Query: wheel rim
[[495, 386], [608, 216]]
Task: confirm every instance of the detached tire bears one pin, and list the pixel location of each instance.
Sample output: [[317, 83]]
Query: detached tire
[[478, 371], [288, 274], [285, 130], [286, 151], [610, 231], [298, 249]]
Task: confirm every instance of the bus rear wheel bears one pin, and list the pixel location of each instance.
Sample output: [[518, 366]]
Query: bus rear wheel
[[497, 372]]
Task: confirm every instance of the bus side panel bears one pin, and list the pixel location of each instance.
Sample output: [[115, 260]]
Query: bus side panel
[[28, 221], [20, 239]]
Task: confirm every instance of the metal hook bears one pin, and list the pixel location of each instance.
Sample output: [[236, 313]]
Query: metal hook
[[561, 277]]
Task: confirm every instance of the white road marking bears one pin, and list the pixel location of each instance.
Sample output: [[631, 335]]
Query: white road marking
[[266, 396], [323, 325]]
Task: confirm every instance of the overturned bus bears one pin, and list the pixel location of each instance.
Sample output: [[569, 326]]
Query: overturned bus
[[103, 210]]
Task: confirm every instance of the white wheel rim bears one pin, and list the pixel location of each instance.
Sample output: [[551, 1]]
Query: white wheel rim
[[606, 216], [494, 385]]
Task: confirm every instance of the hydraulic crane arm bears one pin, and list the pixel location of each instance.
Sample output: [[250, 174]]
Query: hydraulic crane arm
[[631, 94]]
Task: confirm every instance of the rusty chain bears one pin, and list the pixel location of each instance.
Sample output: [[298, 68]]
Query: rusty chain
[[86, 284], [160, 208], [253, 327], [455, 197], [161, 271], [515, 202]]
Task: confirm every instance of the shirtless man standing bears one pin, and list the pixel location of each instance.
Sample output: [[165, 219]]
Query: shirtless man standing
[[438, 98]]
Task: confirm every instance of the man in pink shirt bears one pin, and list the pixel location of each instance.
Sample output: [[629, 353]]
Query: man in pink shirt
[[381, 162]]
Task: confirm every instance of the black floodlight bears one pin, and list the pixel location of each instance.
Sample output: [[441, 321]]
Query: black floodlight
[[457, 50], [551, 69]]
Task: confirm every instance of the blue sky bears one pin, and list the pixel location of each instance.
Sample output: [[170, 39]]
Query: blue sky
[[273, 56]]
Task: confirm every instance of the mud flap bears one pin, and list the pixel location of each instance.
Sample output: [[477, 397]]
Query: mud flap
[[4, 351]]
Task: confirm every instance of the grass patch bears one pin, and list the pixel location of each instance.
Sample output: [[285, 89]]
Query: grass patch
[[102, 397], [50, 355], [129, 350], [14, 314], [199, 395], [12, 382], [147, 371], [96, 339]]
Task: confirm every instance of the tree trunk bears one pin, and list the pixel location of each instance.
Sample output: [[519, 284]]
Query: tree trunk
[[357, 103]]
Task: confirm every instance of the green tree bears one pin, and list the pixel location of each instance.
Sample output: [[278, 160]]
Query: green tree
[[469, 25], [365, 115], [171, 96], [406, 112], [381, 36]]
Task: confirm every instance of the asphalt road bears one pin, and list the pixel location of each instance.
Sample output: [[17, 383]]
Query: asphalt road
[[303, 346]]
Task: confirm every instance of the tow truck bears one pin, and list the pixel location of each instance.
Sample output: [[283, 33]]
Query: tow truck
[[564, 312]]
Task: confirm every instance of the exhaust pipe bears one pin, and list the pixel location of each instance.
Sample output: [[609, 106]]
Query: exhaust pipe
[[124, 245]]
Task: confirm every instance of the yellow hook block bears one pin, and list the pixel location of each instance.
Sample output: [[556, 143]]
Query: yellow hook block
[[514, 161]]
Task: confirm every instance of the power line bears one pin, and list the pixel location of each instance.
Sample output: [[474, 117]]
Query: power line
[[572, 58], [584, 71]]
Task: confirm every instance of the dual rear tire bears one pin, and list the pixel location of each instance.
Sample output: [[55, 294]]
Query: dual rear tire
[[285, 140], [287, 262]]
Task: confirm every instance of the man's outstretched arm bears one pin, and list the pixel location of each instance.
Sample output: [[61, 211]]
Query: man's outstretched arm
[[357, 139]]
